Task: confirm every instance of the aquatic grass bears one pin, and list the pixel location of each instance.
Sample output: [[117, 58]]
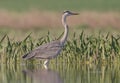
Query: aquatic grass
[[79, 48], [92, 48]]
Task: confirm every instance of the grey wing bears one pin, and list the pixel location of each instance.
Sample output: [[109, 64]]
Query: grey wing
[[48, 50]]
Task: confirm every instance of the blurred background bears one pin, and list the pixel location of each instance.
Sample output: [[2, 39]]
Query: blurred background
[[37, 15]]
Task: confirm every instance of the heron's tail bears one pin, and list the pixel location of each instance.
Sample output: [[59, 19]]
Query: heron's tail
[[24, 56]]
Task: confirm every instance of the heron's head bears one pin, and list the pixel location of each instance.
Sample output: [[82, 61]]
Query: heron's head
[[69, 13]]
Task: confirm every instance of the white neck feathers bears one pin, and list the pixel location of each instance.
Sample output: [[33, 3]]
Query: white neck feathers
[[64, 38]]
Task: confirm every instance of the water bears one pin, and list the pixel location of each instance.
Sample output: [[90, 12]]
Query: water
[[64, 73]]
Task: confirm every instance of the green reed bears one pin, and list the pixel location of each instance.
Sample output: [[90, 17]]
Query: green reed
[[80, 48]]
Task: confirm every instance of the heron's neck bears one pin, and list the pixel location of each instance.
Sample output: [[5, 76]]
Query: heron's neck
[[64, 38]]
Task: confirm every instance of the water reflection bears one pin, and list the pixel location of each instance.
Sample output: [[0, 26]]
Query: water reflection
[[63, 73], [43, 76]]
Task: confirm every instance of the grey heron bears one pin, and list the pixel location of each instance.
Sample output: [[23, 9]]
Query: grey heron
[[52, 49]]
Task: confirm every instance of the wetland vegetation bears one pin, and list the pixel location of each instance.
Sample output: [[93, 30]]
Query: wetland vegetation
[[80, 47]]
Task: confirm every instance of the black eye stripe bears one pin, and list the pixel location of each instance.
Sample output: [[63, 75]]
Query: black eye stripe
[[66, 11]]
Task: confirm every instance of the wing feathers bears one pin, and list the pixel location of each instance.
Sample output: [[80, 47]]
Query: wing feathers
[[45, 51]]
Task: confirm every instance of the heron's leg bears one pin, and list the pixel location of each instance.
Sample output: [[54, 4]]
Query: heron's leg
[[46, 62]]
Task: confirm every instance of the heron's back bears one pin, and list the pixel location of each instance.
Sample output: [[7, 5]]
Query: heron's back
[[46, 51]]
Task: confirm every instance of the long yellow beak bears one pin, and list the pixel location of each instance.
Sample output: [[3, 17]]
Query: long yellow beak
[[74, 13]]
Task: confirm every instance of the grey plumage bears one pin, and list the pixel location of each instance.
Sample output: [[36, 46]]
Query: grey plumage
[[46, 51]]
